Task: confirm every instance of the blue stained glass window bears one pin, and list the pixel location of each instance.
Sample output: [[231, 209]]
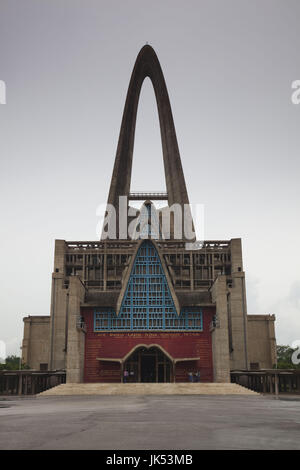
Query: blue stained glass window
[[147, 303]]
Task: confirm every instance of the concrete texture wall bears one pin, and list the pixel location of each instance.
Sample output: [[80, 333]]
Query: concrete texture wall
[[35, 345], [261, 341]]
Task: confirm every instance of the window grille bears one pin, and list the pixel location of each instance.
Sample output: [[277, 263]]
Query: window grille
[[147, 303]]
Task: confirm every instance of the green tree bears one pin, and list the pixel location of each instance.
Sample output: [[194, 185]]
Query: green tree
[[13, 363], [284, 357]]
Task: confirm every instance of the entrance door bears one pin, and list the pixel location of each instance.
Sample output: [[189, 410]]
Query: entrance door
[[148, 365], [148, 368]]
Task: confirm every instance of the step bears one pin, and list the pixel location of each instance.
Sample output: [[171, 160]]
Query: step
[[148, 389]]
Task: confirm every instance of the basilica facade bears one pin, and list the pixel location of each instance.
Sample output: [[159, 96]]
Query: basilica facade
[[150, 306]]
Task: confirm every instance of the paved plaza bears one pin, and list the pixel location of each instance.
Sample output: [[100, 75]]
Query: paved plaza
[[150, 422]]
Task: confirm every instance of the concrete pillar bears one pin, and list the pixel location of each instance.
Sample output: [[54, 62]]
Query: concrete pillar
[[58, 309], [58, 322], [26, 341], [238, 309], [272, 340], [220, 342], [76, 336]]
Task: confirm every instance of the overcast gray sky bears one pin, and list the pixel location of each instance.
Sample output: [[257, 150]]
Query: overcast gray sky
[[228, 66]]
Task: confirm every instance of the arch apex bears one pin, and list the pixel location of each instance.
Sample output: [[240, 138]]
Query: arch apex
[[147, 65]]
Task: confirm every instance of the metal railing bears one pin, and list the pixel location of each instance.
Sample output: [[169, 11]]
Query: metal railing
[[29, 382], [269, 380], [152, 195]]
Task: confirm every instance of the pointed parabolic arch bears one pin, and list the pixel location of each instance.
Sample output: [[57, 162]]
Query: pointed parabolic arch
[[147, 65]]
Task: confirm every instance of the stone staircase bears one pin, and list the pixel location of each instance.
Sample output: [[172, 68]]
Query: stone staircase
[[147, 389]]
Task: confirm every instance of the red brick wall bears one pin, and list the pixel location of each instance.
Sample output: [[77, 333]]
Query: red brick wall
[[117, 345]]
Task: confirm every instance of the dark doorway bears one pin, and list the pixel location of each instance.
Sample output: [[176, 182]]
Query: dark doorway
[[148, 365]]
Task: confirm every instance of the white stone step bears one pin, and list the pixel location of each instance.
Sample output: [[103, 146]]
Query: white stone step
[[148, 389]]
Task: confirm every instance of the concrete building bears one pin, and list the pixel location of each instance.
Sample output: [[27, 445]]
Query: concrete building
[[155, 306]]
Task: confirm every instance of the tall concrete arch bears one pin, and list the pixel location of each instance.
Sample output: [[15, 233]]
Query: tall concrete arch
[[147, 65]]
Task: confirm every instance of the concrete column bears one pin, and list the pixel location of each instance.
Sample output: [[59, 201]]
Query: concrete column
[[272, 340], [191, 271], [104, 268], [58, 309], [58, 322], [76, 336], [220, 343], [26, 341], [238, 309]]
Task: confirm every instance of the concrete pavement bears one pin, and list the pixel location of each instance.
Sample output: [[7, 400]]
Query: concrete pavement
[[150, 422]]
